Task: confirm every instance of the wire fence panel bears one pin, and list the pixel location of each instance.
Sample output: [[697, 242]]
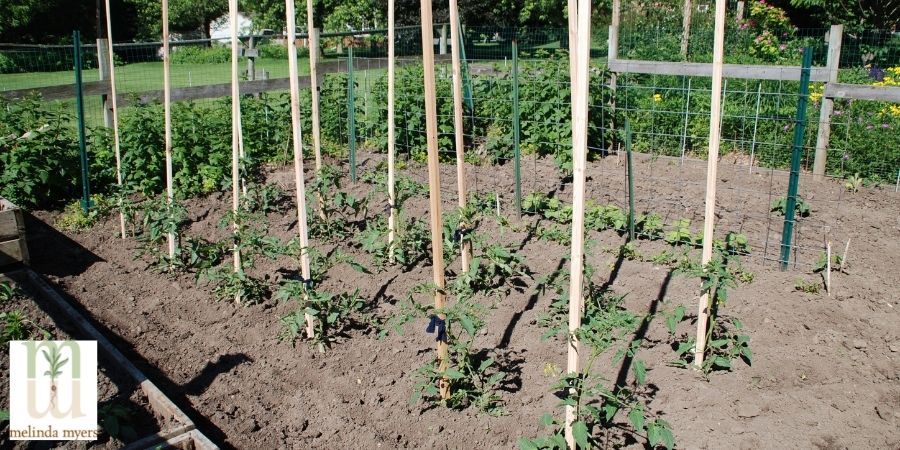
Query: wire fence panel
[[669, 114]]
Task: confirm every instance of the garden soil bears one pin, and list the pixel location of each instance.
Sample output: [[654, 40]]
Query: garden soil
[[825, 372]]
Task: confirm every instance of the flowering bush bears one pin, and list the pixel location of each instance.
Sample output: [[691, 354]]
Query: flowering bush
[[775, 35], [890, 77]]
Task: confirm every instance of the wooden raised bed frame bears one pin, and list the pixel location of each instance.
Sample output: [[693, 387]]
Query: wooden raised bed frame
[[13, 248]]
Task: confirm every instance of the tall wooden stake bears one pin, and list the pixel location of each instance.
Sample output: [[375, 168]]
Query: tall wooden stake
[[579, 161], [313, 41], [466, 250], [828, 268], [686, 28], [235, 131], [392, 218], [712, 165], [298, 152], [434, 182], [115, 112], [167, 113]]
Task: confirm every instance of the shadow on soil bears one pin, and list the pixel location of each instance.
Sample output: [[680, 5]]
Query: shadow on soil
[[53, 253]]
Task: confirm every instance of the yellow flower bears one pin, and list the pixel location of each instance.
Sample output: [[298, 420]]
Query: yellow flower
[[657, 98]]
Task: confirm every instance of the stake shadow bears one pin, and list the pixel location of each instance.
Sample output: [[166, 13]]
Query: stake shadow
[[532, 301], [200, 383], [641, 333], [614, 274]]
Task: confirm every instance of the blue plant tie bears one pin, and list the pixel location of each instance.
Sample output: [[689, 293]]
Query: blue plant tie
[[436, 324]]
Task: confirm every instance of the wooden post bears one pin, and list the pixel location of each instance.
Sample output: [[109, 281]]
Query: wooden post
[[612, 53], [686, 28], [298, 152], [442, 47], [235, 131], [844, 258], [466, 249], [167, 113], [314, 86], [579, 160], [434, 182], [828, 268], [251, 60], [835, 39], [103, 67], [115, 110], [712, 164], [739, 13], [392, 218]]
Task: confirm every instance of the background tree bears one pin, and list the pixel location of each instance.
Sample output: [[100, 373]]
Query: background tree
[[856, 15]]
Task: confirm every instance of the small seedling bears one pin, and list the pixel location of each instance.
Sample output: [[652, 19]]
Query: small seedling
[[801, 207], [809, 287], [822, 262], [853, 183], [681, 233]]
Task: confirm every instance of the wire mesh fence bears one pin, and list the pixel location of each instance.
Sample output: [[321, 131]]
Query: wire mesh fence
[[669, 115]]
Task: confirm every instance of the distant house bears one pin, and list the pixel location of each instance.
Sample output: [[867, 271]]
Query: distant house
[[221, 27]]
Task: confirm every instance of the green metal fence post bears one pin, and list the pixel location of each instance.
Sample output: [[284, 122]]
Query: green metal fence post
[[351, 113], [517, 165], [79, 112], [796, 151], [630, 181]]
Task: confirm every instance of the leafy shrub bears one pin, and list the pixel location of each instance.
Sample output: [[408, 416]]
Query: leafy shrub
[[191, 54], [39, 163]]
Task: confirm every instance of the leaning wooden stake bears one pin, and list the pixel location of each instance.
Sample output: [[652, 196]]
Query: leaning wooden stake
[[844, 257], [392, 217], [434, 183], [235, 133], [313, 43], [579, 161], [298, 153], [712, 164], [466, 250], [115, 114], [167, 113], [828, 268]]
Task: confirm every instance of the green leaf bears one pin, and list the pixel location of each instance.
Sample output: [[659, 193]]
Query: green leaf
[[636, 417], [4, 415], [722, 362], [580, 433], [453, 374], [485, 364], [640, 372], [547, 419], [468, 325], [527, 444]]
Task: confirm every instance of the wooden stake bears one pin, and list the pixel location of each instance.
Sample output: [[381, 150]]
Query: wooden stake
[[466, 250], [828, 268], [712, 164], [580, 93], [392, 200], [167, 113], [313, 41], [235, 131], [434, 182], [844, 258], [835, 41], [115, 112], [297, 132], [686, 28]]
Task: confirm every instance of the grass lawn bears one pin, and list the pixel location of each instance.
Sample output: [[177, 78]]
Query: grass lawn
[[139, 77]]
